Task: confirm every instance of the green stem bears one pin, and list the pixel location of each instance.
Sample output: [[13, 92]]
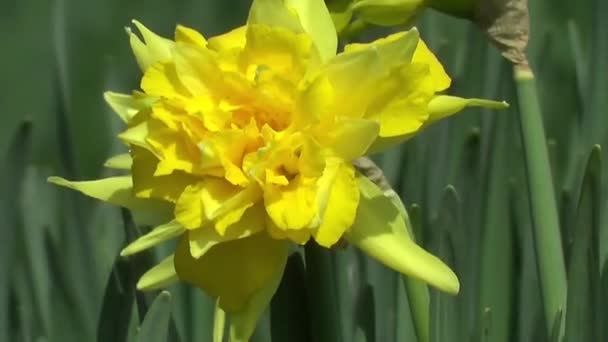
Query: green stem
[[547, 240], [419, 302], [219, 323], [417, 291]]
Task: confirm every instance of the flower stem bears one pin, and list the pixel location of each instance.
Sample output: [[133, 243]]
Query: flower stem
[[547, 240], [219, 323]]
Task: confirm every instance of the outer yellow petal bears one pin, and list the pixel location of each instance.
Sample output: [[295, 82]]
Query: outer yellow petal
[[155, 49], [273, 13], [353, 77], [233, 271], [292, 206], [189, 207], [299, 236], [219, 197], [161, 79], [350, 138], [393, 50], [242, 323], [119, 191], [147, 185], [401, 100], [380, 231], [158, 277], [439, 107], [156, 236], [137, 134], [423, 55], [187, 35], [234, 39], [443, 106], [283, 51], [341, 205], [356, 74], [316, 21], [126, 106], [196, 68], [202, 239], [120, 162]]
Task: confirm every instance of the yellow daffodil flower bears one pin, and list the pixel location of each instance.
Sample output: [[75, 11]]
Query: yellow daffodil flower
[[242, 144]]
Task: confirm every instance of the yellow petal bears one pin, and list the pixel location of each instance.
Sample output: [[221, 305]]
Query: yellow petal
[[315, 101], [423, 55], [156, 236], [120, 162], [234, 39], [292, 206], [443, 106], [202, 239], [340, 206], [394, 50], [126, 106], [196, 67], [233, 271], [147, 185], [161, 79], [175, 150], [299, 236], [401, 100], [233, 209], [316, 21], [154, 50], [282, 51], [242, 323], [220, 197], [350, 138], [380, 231], [158, 277], [187, 35], [439, 107], [273, 13], [137, 134], [119, 191], [189, 207], [115, 190], [353, 78]]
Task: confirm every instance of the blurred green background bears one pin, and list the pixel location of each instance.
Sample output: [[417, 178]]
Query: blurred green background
[[463, 181]]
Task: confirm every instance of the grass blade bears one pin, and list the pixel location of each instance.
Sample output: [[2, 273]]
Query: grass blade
[[545, 221], [155, 326]]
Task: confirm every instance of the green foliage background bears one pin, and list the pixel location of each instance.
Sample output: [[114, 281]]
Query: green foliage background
[[463, 181]]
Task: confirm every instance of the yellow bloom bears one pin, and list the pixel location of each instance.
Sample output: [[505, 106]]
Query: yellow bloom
[[243, 143]]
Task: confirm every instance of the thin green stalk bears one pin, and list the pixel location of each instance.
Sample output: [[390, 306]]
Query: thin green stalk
[[543, 209], [419, 301], [416, 290], [219, 323]]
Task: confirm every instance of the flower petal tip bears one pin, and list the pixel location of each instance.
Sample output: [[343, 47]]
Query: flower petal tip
[[59, 181], [451, 285], [125, 252]]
